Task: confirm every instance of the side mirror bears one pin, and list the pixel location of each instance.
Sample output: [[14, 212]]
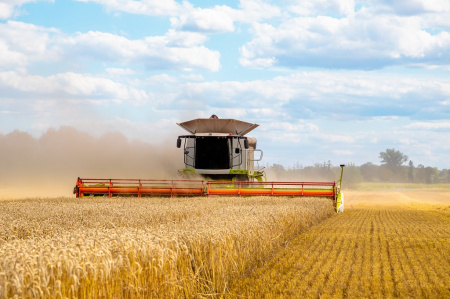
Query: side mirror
[[246, 143], [237, 150], [179, 142]]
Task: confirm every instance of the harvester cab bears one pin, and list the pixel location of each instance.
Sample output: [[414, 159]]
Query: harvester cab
[[218, 149]]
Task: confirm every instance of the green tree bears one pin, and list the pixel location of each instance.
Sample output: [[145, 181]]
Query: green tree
[[369, 171], [411, 171], [352, 176], [385, 174], [393, 159], [427, 175]]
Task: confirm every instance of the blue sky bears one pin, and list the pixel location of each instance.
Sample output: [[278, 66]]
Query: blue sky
[[337, 80]]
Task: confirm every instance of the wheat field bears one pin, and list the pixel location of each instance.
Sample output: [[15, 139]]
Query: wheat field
[[385, 245], [149, 247], [393, 243]]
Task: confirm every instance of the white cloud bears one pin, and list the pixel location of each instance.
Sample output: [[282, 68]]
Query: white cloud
[[437, 21], [161, 79], [184, 39], [223, 18], [120, 71], [385, 118], [255, 11], [144, 7], [408, 141], [332, 90], [6, 10], [289, 127], [323, 7], [267, 113], [22, 44], [10, 8], [183, 16], [186, 17], [409, 7], [429, 126], [365, 40], [193, 77], [224, 112], [70, 86], [343, 152], [217, 19], [338, 138], [154, 52]]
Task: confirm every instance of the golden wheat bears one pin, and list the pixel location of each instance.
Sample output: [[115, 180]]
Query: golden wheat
[[374, 250], [129, 247]]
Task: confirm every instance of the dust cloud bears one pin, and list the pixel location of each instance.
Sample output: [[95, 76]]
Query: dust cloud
[[49, 166]]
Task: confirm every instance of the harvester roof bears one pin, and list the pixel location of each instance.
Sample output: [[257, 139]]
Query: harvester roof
[[217, 125]]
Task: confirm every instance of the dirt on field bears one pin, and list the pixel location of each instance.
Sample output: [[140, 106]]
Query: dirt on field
[[355, 198], [41, 191]]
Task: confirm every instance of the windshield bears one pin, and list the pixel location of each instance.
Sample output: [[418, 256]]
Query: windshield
[[212, 153]]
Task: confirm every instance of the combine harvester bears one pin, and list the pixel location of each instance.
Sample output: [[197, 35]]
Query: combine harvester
[[218, 151]]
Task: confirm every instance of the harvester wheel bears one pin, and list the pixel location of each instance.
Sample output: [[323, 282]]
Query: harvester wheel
[[241, 178]]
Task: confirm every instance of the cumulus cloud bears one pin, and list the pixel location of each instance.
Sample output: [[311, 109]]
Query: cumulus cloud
[[222, 18], [145, 7], [22, 44], [322, 7], [307, 95], [414, 7], [10, 8], [338, 138], [154, 52], [120, 71], [160, 79], [184, 39], [289, 131], [434, 14], [299, 126], [429, 126], [325, 94], [182, 16], [217, 19], [343, 152], [193, 77], [364, 40], [69, 86], [251, 11], [187, 17]]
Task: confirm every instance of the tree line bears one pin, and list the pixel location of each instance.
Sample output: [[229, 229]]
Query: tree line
[[392, 169]]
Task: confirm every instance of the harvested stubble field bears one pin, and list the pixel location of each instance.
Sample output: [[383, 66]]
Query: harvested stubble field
[[386, 244], [131, 247]]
